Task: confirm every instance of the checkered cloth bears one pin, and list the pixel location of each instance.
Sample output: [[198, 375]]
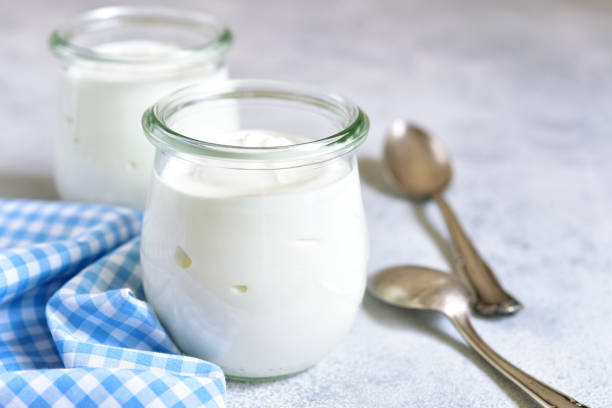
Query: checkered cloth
[[75, 329]]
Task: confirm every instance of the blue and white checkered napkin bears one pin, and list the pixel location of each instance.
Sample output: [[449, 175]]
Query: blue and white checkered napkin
[[74, 327]]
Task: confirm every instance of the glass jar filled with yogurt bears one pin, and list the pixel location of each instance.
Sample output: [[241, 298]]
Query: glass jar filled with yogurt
[[254, 245], [116, 62]]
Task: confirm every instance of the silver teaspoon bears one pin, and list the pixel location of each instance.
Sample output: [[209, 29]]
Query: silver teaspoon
[[421, 168], [414, 287]]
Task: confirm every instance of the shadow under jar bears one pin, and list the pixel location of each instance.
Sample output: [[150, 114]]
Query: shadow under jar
[[116, 62], [254, 244]]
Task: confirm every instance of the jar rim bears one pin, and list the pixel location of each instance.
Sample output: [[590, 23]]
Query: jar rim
[[354, 129], [62, 44]]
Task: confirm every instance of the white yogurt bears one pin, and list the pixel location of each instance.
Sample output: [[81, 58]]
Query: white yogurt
[[101, 153], [259, 271]]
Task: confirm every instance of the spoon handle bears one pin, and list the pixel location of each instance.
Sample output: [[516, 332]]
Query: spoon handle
[[491, 297], [546, 396]]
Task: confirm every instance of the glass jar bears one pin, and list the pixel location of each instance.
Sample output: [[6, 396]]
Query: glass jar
[[117, 61], [254, 245]]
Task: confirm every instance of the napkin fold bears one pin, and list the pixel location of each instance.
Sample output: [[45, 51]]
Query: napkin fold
[[75, 328]]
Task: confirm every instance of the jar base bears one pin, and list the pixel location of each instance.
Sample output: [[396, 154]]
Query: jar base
[[263, 379]]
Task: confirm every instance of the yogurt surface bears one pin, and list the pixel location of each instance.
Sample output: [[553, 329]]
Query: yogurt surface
[[259, 271], [101, 153]]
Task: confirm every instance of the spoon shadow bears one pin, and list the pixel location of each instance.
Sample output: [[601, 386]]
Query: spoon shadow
[[430, 322], [443, 244], [373, 173]]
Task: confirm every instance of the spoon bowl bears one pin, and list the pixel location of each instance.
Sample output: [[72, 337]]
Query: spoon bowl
[[417, 287], [420, 165]]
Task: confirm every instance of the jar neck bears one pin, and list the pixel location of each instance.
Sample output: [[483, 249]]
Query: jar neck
[[83, 68]]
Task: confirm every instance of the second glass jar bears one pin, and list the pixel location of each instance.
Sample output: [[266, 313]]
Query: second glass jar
[[117, 61]]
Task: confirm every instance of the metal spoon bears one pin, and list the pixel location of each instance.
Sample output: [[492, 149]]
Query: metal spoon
[[414, 287], [421, 167]]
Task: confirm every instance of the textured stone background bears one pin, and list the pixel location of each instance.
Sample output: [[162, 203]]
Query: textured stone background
[[519, 91]]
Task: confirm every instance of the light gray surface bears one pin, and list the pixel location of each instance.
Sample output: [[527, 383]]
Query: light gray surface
[[521, 93]]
